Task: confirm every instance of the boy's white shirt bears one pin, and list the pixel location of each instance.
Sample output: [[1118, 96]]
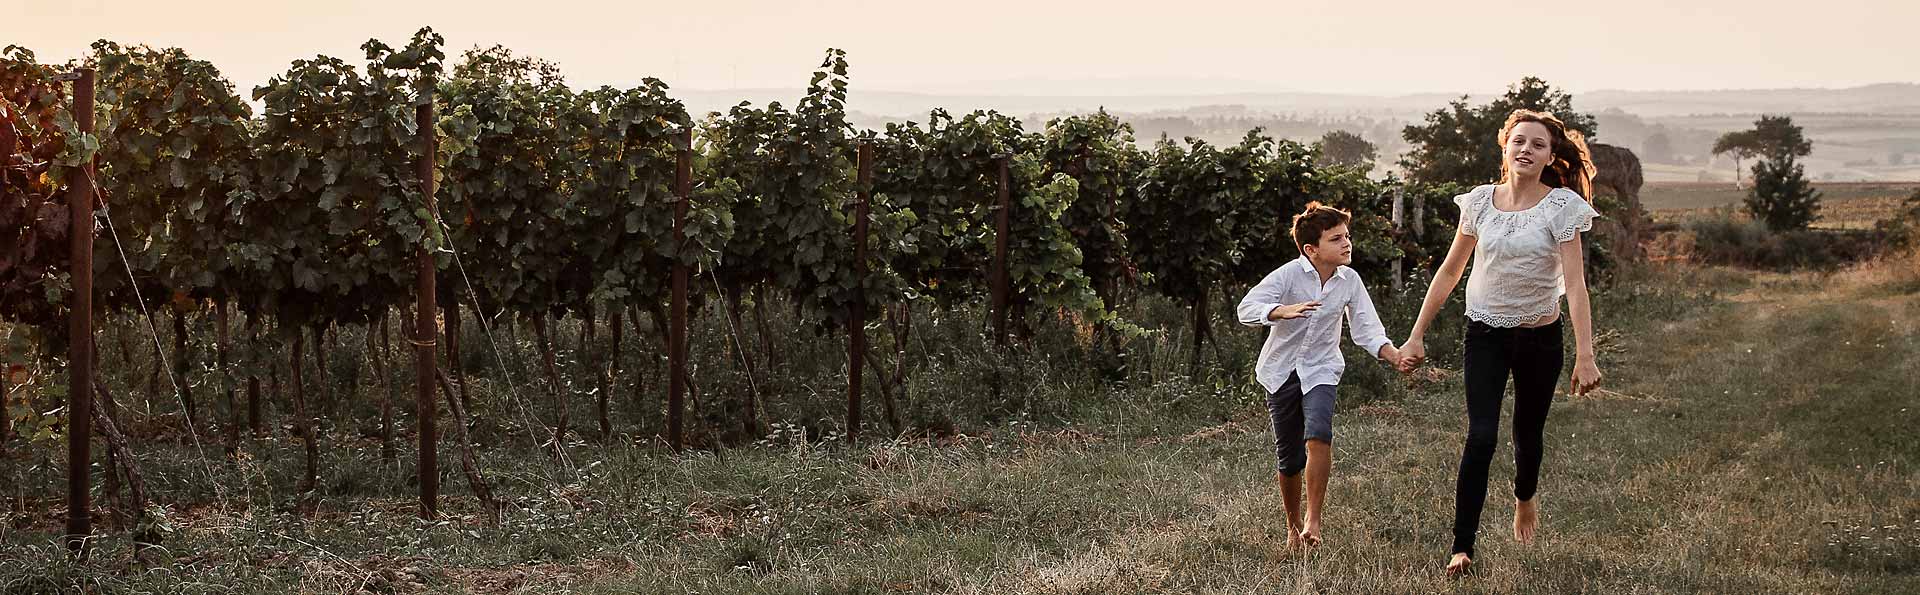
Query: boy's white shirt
[[1310, 346]]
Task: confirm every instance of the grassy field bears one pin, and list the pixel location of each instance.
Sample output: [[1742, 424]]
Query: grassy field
[[1756, 436], [1844, 205], [1847, 146], [1702, 195]]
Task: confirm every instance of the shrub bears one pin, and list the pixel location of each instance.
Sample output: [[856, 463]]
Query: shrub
[[1750, 244]]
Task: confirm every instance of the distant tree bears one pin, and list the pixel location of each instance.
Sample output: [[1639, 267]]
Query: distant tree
[[1738, 144], [1658, 148], [1778, 134], [1387, 131], [1781, 196], [1459, 142], [1342, 148], [1770, 137]]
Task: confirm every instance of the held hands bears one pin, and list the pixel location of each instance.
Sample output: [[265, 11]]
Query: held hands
[[1290, 312], [1586, 375], [1412, 354], [1390, 355]]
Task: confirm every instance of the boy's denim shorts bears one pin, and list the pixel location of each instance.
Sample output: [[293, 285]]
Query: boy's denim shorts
[[1297, 418]]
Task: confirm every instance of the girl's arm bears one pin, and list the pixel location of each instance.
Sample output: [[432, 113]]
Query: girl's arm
[[1444, 280], [1573, 265]]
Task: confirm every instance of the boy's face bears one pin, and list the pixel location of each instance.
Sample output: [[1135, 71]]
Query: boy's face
[[1334, 248]]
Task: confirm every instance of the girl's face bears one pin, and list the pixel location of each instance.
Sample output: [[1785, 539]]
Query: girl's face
[[1529, 149]]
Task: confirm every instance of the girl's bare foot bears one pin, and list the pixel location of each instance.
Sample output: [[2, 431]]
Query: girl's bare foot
[[1458, 565], [1526, 517]]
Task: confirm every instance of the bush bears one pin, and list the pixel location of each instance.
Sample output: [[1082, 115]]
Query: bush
[[1902, 230], [1781, 195], [1750, 244]]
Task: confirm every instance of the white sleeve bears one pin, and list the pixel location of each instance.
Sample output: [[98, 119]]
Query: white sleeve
[[1363, 321], [1469, 211], [1262, 299], [1574, 217]]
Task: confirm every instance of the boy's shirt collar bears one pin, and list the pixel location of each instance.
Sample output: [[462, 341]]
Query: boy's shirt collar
[[1307, 266]]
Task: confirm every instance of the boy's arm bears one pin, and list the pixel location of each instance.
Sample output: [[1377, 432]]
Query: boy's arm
[[1260, 301], [1363, 323]]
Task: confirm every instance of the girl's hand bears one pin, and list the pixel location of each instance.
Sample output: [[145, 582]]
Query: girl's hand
[[1586, 377], [1390, 355], [1412, 354]]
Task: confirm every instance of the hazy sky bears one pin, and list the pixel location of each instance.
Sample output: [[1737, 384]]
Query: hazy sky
[[1041, 47]]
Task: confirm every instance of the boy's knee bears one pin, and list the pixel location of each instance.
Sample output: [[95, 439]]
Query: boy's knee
[[1292, 460], [1319, 450]]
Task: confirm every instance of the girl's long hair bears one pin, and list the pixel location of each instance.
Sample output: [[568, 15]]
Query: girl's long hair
[[1572, 165]]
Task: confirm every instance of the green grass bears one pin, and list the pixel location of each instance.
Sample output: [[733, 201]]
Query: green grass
[[1756, 437]]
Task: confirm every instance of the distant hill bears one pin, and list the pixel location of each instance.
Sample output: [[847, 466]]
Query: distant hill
[[1889, 98], [1864, 133]]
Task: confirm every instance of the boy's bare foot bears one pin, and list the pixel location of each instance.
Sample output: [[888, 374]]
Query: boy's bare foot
[[1294, 542], [1311, 535], [1458, 565], [1526, 517]]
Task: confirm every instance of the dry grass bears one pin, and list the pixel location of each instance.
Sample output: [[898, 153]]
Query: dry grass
[[1760, 442], [1730, 453]]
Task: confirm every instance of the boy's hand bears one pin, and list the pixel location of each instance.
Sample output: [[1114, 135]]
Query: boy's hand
[[1390, 355], [1290, 312]]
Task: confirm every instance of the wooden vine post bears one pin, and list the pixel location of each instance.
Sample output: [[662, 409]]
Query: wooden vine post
[[80, 329], [857, 317], [426, 332], [677, 327], [1002, 295]]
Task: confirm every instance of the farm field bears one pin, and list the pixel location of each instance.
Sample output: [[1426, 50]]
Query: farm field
[[1843, 205]]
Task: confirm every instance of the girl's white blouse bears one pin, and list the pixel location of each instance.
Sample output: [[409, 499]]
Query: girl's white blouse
[[1516, 276]]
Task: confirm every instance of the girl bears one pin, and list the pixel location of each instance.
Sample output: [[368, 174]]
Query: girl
[[1525, 234]]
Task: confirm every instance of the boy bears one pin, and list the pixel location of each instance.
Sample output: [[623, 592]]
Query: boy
[[1300, 365]]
